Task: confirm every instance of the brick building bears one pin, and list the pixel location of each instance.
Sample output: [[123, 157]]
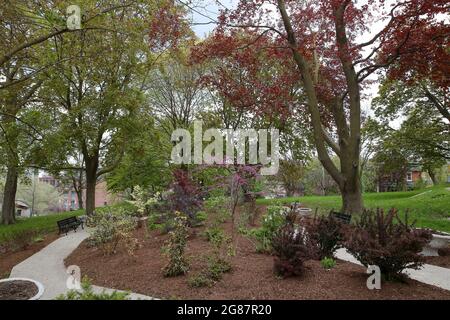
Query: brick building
[[69, 200]]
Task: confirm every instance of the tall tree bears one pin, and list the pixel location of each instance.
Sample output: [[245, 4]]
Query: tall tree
[[98, 94], [319, 42]]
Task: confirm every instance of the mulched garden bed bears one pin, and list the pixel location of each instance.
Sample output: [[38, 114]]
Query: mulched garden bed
[[10, 258], [17, 290], [443, 261], [252, 276]]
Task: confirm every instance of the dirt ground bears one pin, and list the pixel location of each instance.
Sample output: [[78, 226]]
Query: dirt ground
[[9, 259], [252, 276]]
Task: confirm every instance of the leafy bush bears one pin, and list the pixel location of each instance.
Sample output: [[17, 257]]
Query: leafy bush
[[202, 216], [327, 232], [175, 247], [186, 197], [219, 208], [388, 242], [217, 263], [87, 293], [271, 223], [111, 229], [291, 247], [142, 201], [212, 232], [217, 267], [199, 280], [328, 263]]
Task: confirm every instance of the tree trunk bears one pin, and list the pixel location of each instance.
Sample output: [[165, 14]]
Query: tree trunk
[[80, 198], [433, 177], [91, 182], [9, 196], [352, 202]]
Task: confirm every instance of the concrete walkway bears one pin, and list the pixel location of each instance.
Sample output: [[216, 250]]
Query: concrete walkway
[[429, 274], [47, 267]]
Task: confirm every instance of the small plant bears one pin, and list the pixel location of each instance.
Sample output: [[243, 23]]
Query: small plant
[[200, 280], [217, 267], [328, 263], [219, 208], [142, 201], [87, 293], [271, 223], [327, 232], [212, 232], [291, 247], [175, 248], [388, 242], [202, 216], [111, 229], [217, 263]]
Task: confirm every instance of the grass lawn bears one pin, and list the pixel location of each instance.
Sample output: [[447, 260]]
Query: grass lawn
[[40, 225], [430, 207]]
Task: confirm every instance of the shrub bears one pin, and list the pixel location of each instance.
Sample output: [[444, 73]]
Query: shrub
[[271, 222], [328, 263], [175, 247], [388, 242], [219, 207], [217, 263], [217, 267], [186, 197], [87, 293], [200, 280], [328, 233], [202, 216], [212, 232], [142, 201], [111, 229], [291, 247]]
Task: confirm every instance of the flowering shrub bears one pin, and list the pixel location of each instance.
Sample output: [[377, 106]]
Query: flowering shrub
[[109, 229], [175, 247], [141, 200], [385, 240]]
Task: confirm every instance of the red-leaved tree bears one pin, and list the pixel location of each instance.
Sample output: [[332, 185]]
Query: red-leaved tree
[[316, 56]]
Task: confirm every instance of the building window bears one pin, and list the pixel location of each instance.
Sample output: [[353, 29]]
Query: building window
[[409, 177]]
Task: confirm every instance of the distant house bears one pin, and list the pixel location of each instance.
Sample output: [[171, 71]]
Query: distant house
[[22, 209], [397, 181]]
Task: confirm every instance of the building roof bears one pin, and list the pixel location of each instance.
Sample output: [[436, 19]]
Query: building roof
[[21, 203]]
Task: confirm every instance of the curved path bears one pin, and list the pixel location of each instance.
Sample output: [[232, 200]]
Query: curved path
[[47, 266]]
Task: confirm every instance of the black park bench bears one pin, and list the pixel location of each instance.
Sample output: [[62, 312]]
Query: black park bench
[[342, 217], [71, 223]]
